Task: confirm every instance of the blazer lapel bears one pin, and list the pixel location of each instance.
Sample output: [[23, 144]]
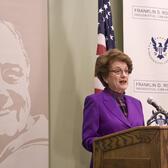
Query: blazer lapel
[[131, 109], [114, 108]]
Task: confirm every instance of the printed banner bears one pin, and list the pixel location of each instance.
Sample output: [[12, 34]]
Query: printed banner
[[146, 42], [23, 84]]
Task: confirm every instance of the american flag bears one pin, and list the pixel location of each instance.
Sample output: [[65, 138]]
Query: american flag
[[106, 39]]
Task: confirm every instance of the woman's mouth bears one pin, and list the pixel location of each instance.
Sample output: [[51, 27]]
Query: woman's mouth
[[123, 82]]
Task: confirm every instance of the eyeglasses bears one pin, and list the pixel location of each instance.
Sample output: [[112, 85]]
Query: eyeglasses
[[119, 72]]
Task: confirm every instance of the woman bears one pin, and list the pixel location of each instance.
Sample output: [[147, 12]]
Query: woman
[[110, 110]]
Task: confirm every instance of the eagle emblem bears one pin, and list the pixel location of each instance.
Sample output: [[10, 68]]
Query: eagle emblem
[[159, 48]]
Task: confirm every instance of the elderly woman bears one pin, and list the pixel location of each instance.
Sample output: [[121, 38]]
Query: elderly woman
[[110, 110]]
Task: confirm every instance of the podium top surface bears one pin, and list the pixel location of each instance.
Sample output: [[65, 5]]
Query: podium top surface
[[130, 130]]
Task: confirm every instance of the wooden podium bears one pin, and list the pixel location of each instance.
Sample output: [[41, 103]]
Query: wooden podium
[[140, 147]]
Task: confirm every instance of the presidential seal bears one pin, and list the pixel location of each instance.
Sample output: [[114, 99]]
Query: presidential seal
[[158, 51]]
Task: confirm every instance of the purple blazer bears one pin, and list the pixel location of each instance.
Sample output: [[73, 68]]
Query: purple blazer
[[102, 115]]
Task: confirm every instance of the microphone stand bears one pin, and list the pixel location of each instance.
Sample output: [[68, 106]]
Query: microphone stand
[[160, 117]]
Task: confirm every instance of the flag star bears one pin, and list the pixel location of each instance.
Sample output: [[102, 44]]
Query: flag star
[[106, 16], [108, 13], [100, 10], [112, 27], [109, 3], [111, 37], [105, 6]]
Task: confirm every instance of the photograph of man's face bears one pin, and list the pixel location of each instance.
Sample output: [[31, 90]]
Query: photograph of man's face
[[14, 82], [24, 84]]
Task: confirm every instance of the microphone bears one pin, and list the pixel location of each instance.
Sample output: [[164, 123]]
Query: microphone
[[154, 104]]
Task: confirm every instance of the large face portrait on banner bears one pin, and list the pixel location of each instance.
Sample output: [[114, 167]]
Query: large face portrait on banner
[[23, 124]]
